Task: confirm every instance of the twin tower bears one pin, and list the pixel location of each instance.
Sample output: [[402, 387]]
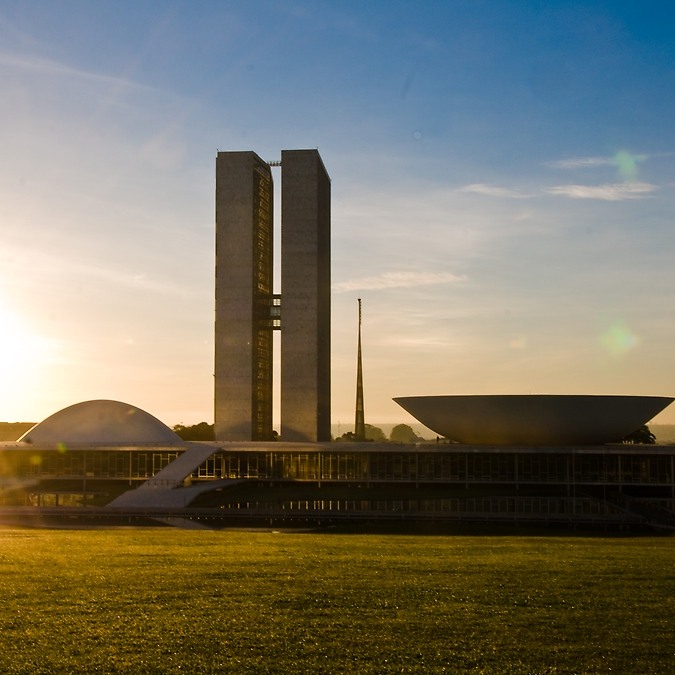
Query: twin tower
[[247, 309]]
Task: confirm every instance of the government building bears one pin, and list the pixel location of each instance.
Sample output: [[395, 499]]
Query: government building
[[518, 460], [248, 310], [115, 461]]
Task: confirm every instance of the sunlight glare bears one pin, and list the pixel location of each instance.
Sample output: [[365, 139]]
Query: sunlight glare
[[21, 350]]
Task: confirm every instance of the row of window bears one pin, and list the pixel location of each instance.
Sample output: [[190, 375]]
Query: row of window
[[90, 464], [353, 466], [461, 506], [455, 467]]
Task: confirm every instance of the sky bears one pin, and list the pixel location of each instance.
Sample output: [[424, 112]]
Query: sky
[[502, 175]]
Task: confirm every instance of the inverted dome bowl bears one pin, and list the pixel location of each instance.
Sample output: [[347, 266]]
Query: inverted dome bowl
[[534, 419]]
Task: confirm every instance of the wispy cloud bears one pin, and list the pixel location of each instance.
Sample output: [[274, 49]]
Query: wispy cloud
[[580, 162], [397, 280], [494, 191], [613, 192], [54, 68], [71, 272], [422, 341], [625, 162]]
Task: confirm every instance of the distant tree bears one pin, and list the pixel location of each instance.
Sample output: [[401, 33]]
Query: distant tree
[[374, 433], [403, 433], [641, 435], [196, 432]]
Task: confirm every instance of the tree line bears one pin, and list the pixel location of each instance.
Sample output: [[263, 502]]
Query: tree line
[[401, 433]]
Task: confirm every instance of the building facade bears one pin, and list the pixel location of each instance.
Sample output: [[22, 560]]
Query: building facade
[[247, 310], [244, 278], [325, 482], [305, 297]]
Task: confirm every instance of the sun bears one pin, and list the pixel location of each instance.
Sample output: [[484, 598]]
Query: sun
[[21, 349], [27, 360], [14, 345]]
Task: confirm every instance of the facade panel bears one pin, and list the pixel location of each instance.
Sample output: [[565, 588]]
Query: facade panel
[[244, 274], [305, 292]]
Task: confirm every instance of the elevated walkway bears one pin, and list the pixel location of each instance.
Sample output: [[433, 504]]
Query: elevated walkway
[[165, 489]]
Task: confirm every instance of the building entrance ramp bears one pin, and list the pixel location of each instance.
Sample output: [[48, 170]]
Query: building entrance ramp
[[165, 489], [176, 472]]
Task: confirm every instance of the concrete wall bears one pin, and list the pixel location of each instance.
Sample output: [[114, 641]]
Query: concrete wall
[[244, 259], [305, 297]]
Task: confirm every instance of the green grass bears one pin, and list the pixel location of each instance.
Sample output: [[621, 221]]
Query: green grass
[[164, 600]]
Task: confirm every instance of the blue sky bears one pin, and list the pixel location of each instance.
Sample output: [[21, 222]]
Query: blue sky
[[502, 175]]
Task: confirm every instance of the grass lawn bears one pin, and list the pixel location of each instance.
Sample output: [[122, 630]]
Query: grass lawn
[[176, 601]]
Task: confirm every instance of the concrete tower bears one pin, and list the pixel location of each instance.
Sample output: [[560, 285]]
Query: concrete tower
[[305, 297], [247, 310], [244, 277]]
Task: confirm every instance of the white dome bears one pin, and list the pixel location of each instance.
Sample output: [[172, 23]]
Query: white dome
[[101, 422]]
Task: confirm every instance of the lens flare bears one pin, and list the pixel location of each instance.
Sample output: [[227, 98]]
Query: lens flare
[[619, 339], [626, 163]]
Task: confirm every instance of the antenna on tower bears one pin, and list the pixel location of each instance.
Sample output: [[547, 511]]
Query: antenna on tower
[[359, 425]]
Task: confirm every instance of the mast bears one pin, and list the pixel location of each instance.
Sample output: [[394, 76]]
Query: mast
[[359, 425]]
